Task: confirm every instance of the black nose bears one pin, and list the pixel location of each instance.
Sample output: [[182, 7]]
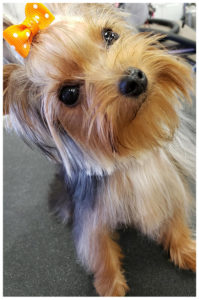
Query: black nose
[[134, 83]]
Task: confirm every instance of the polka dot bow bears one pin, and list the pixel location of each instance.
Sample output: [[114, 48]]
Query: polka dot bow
[[20, 36]]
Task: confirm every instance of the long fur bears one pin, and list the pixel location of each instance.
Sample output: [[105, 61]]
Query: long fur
[[125, 160]]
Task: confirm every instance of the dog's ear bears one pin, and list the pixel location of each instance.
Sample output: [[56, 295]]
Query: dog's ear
[[7, 71], [15, 89], [23, 102]]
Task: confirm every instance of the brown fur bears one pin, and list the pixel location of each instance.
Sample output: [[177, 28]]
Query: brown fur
[[7, 71], [129, 140], [177, 241], [104, 257]]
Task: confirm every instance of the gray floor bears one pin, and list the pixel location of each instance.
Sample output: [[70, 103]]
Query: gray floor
[[39, 255]]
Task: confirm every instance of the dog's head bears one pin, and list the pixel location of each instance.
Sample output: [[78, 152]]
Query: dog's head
[[92, 92]]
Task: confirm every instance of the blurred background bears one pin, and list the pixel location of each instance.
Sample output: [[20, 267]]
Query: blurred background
[[140, 12], [176, 20]]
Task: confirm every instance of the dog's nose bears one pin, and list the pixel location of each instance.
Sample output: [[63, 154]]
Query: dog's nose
[[134, 83]]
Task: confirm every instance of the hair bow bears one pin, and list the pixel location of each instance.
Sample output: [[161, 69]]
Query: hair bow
[[20, 36]]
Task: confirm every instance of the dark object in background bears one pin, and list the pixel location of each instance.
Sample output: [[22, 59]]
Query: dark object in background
[[151, 10], [189, 15], [171, 34]]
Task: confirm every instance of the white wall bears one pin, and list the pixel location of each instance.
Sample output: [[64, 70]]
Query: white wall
[[169, 11]]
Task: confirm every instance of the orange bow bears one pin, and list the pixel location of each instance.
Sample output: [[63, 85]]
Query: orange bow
[[20, 36]]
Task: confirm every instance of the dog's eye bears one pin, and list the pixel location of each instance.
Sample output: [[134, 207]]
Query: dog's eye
[[69, 94], [109, 36]]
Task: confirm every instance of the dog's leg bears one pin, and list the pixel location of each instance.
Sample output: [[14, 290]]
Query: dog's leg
[[102, 255], [109, 280], [176, 239]]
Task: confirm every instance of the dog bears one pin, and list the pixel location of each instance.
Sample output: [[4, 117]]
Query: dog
[[106, 103]]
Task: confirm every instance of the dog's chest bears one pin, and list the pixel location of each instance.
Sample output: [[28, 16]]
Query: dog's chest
[[119, 202], [138, 196]]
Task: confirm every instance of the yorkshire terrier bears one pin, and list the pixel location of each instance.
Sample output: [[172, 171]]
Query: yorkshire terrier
[[105, 102]]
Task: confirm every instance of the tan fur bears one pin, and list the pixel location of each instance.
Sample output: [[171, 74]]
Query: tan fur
[[176, 239], [102, 257], [7, 71], [136, 143]]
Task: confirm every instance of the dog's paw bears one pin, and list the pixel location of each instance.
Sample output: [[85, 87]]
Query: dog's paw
[[116, 286], [185, 256]]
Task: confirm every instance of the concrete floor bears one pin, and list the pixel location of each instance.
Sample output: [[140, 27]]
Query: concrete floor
[[39, 254]]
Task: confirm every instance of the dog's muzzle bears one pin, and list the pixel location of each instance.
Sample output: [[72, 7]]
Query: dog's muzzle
[[134, 83]]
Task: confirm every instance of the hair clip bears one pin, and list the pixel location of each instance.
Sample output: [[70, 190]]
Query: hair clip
[[20, 36]]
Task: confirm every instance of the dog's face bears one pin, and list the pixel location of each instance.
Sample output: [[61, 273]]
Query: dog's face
[[93, 93]]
